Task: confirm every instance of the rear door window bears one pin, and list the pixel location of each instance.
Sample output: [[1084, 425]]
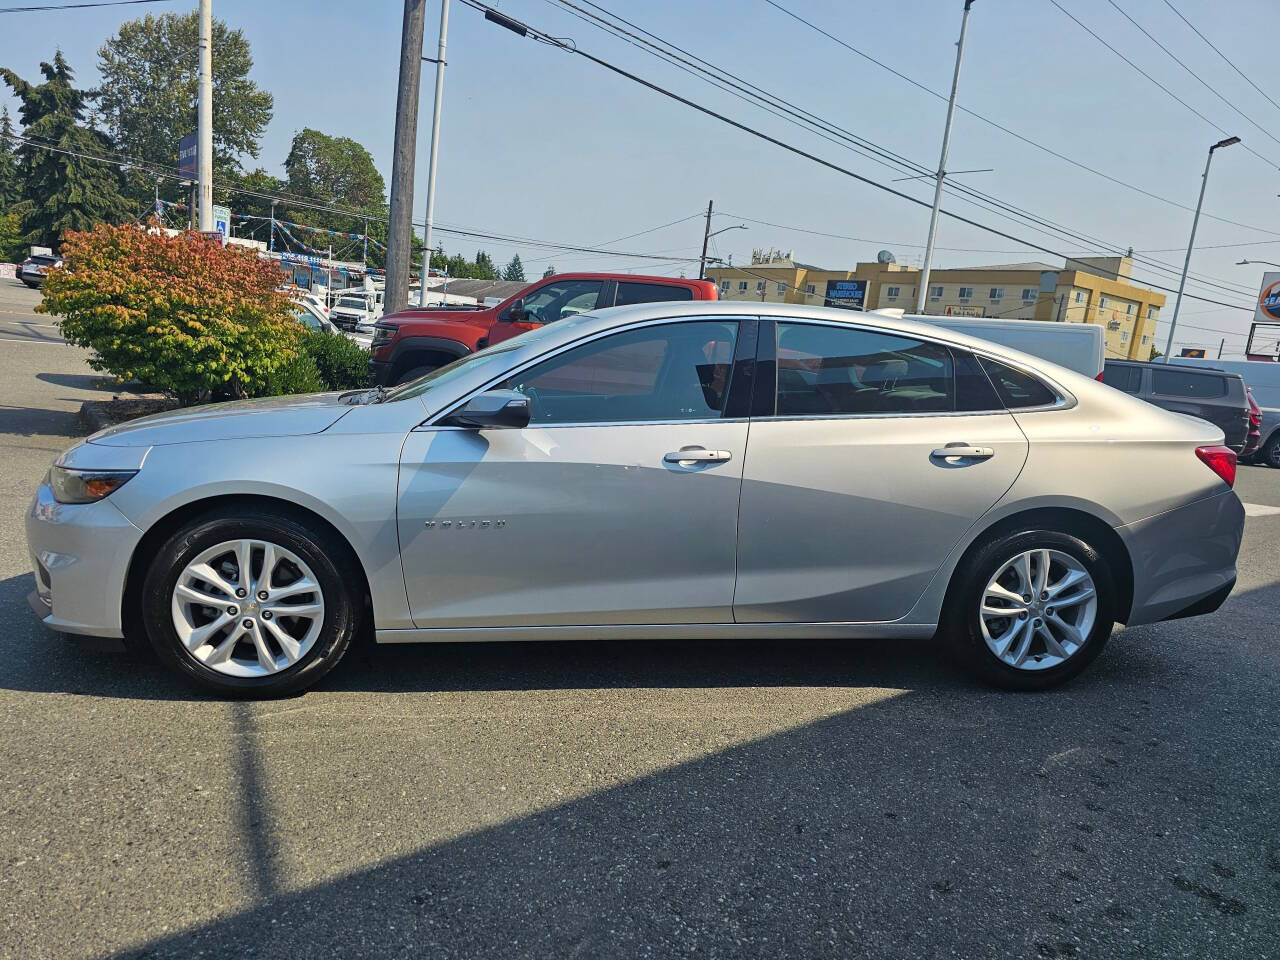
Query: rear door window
[[828, 370], [629, 293], [1188, 383], [1122, 377]]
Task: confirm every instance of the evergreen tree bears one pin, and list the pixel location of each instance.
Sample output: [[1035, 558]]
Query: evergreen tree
[[485, 268], [514, 270], [549, 272], [9, 190], [61, 191]]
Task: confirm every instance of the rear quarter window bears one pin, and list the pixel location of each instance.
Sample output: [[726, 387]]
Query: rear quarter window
[[1187, 383], [1017, 389]]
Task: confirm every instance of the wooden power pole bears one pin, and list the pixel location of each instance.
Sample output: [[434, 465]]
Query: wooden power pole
[[400, 228]]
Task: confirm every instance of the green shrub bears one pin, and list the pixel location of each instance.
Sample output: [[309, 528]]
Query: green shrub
[[343, 364], [299, 375]]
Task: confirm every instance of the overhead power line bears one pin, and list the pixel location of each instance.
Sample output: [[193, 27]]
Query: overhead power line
[[1007, 130], [1144, 73], [77, 6], [542, 36], [833, 133], [1225, 59], [1197, 76]]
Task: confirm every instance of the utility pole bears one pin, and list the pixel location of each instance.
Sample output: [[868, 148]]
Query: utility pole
[[400, 227], [204, 125], [435, 142], [706, 236], [942, 165], [1204, 182], [1221, 343]]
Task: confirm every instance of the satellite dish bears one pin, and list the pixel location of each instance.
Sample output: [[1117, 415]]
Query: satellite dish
[[885, 256]]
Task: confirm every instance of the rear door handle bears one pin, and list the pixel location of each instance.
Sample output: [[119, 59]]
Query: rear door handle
[[964, 450], [697, 454]]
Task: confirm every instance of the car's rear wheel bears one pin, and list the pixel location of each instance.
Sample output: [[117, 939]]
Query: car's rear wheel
[[1031, 609], [250, 603], [1270, 454]]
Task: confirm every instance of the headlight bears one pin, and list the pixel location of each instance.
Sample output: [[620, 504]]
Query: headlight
[[86, 486]]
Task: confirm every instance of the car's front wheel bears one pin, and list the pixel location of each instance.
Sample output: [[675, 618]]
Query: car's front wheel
[[1031, 609], [250, 603]]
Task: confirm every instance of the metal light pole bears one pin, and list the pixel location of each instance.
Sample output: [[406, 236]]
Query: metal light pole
[[271, 239], [1264, 263], [204, 121], [942, 165], [1204, 182], [400, 225], [435, 142], [707, 234]]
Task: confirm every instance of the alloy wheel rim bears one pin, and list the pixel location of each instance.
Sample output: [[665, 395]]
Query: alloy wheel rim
[[1038, 610], [247, 608]]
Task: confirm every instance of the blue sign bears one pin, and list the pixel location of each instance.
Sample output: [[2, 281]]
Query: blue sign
[[188, 157], [848, 294]]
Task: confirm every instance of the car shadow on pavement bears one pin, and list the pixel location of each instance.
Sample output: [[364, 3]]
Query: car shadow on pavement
[[932, 820]]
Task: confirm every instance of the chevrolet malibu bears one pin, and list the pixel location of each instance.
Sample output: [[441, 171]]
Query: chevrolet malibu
[[663, 470]]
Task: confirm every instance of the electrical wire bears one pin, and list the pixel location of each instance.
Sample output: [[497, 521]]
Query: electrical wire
[[860, 145], [1225, 59], [1007, 130], [77, 6], [1171, 94], [543, 37]]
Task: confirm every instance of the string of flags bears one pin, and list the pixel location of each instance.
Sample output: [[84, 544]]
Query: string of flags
[[285, 227]]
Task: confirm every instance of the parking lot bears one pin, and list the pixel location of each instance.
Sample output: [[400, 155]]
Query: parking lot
[[625, 799]]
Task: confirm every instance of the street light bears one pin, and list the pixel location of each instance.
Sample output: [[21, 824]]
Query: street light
[[1204, 181], [1265, 263]]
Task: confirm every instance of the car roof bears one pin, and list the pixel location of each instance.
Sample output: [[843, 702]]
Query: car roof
[[1194, 367], [630, 278]]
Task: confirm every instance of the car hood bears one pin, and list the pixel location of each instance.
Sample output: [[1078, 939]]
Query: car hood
[[273, 417]]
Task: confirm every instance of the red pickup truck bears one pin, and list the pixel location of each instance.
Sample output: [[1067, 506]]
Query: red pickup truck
[[411, 342]]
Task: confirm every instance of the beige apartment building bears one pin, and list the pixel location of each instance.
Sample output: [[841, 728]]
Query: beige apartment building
[[1095, 290]]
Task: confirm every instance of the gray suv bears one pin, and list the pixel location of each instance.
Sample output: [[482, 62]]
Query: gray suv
[[1213, 395]]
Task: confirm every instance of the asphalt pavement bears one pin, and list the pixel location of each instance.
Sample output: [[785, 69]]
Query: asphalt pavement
[[638, 799]]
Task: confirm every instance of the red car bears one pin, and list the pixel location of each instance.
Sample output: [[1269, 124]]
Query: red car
[[412, 342]]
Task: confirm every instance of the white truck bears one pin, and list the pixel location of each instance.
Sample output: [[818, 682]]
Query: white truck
[[1076, 346]]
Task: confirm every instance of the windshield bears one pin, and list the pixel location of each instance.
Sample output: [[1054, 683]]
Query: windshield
[[495, 358], [357, 302]]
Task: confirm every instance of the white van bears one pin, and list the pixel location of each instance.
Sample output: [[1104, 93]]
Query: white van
[[1076, 346]]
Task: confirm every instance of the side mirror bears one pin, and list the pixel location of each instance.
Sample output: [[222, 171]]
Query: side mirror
[[494, 408], [514, 313]]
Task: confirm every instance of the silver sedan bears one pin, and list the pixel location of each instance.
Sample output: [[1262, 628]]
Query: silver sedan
[[666, 470]]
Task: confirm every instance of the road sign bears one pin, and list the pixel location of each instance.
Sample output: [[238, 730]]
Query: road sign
[[222, 221], [188, 158]]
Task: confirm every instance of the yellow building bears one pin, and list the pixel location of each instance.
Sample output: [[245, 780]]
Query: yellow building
[[1096, 290]]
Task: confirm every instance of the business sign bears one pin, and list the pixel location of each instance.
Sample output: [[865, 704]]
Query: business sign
[[960, 310], [188, 157], [221, 221], [1194, 352], [1268, 308], [847, 294]]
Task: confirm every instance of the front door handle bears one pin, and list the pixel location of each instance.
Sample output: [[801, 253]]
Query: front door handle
[[697, 455], [965, 451]]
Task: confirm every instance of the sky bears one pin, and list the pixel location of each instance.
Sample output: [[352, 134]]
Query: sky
[[539, 143]]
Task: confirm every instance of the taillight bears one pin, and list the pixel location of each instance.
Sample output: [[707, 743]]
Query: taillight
[[1221, 460], [1099, 378]]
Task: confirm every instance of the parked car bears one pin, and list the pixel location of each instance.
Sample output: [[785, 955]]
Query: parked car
[[666, 470], [414, 342], [1076, 346], [356, 308], [310, 317], [1213, 395], [1254, 440], [32, 270], [1263, 378]]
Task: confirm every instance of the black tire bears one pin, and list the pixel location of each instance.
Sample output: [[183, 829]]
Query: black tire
[[330, 560], [1270, 452], [961, 621], [414, 374]]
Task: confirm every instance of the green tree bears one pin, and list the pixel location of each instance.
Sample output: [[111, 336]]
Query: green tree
[[513, 270], [10, 191], [147, 99], [333, 170], [485, 269], [62, 189], [11, 247], [549, 272]]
